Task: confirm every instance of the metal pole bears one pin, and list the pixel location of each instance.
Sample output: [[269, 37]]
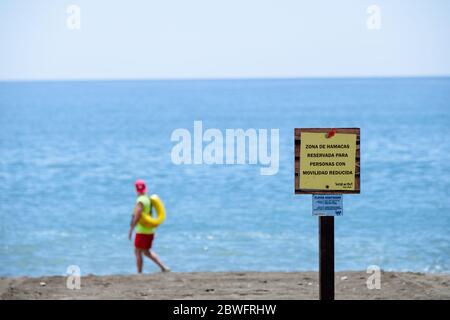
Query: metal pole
[[326, 258]]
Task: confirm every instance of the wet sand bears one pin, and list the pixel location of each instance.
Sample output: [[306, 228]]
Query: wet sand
[[228, 285]]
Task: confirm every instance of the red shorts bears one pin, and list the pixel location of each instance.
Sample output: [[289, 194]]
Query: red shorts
[[143, 241]]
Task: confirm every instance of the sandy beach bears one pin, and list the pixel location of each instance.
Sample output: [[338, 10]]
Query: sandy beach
[[228, 285]]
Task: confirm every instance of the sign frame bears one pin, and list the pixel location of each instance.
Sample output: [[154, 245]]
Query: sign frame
[[297, 144]]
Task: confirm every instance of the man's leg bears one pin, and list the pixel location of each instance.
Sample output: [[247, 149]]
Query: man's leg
[[154, 257], [139, 262]]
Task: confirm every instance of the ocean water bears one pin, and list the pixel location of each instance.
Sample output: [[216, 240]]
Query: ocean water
[[70, 152]]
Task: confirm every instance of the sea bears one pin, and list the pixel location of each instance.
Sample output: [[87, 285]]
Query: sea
[[70, 152]]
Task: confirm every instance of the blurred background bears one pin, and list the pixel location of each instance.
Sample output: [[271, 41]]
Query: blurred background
[[91, 92]]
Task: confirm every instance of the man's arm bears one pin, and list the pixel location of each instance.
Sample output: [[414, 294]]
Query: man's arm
[[135, 218]]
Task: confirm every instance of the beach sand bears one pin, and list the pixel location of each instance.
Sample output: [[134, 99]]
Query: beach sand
[[228, 285]]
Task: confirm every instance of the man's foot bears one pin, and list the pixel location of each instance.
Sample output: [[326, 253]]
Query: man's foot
[[165, 269]]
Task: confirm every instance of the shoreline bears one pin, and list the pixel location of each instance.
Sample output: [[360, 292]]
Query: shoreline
[[349, 285]]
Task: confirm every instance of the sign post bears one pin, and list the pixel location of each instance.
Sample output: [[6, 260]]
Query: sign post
[[326, 258], [327, 165]]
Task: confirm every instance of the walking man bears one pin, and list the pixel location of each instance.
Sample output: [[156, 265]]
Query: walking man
[[144, 235]]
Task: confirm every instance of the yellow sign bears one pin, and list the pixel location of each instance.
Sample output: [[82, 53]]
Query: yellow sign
[[327, 163]]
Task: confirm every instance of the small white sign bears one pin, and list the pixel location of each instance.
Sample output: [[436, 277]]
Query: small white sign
[[327, 205]]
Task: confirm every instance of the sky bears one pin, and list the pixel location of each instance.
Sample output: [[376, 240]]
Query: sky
[[165, 39]]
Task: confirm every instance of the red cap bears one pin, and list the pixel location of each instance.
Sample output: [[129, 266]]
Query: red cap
[[140, 186]]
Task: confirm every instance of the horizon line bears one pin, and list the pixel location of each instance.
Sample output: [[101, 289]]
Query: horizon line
[[228, 78]]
